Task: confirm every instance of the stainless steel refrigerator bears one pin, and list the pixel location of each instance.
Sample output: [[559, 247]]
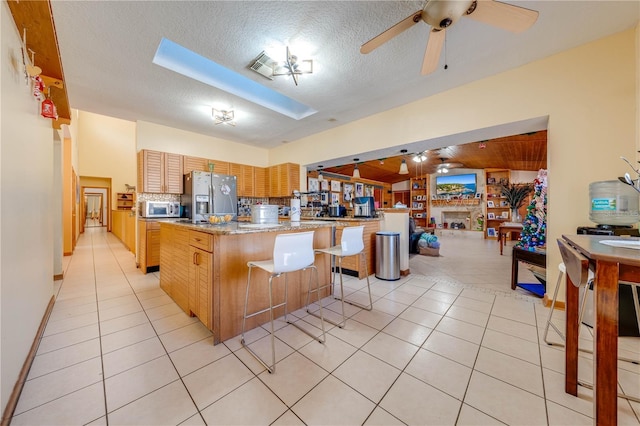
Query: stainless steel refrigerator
[[208, 193]]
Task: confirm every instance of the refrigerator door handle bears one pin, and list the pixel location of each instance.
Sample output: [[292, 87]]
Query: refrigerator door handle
[[210, 198]]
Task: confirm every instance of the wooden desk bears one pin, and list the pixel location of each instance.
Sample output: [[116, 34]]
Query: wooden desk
[[611, 264], [505, 229]]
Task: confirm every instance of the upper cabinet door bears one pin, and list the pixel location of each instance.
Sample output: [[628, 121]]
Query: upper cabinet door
[[173, 173], [159, 172], [150, 171]]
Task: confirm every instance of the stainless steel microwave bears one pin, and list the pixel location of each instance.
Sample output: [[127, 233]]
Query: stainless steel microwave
[[159, 209]]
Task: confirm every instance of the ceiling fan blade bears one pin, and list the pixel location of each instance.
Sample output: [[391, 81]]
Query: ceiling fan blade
[[432, 54], [390, 33], [506, 16]]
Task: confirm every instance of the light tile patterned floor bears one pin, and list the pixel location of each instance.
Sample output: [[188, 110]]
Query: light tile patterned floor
[[449, 344]]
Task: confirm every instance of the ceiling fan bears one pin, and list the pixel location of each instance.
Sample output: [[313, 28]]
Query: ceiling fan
[[445, 167], [441, 14]]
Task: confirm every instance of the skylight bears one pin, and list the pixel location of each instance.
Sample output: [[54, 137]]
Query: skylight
[[179, 59]]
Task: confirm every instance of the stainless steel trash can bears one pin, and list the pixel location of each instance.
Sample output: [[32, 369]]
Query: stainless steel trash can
[[388, 255]]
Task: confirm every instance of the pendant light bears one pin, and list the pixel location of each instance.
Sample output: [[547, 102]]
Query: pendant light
[[320, 177], [356, 172], [404, 170]]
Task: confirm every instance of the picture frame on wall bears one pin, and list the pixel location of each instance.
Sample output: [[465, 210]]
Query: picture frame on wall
[[368, 191], [313, 185], [491, 232], [335, 186], [359, 189], [335, 198], [324, 185], [348, 192], [491, 216]]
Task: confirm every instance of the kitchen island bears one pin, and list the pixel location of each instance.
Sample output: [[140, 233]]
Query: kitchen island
[[203, 268]]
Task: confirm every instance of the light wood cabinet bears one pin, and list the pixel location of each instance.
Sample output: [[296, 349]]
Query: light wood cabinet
[[496, 207], [419, 203], [245, 181], [202, 164], [175, 261], [284, 179], [200, 277], [260, 182], [149, 242], [160, 172], [123, 227]]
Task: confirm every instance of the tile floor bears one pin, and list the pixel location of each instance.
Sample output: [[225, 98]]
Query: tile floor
[[449, 344]]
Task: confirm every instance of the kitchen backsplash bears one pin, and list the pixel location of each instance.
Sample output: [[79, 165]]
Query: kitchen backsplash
[[147, 196]]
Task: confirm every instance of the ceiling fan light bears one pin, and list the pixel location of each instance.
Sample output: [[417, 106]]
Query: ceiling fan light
[[423, 157], [221, 116], [404, 170], [416, 158]]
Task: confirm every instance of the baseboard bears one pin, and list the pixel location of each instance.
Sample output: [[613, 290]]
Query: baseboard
[[22, 377], [547, 303], [405, 272], [58, 277]]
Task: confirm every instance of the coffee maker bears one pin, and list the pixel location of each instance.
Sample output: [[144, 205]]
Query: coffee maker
[[363, 207]]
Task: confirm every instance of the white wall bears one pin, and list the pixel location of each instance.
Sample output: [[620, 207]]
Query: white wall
[[167, 139], [26, 225], [588, 93], [107, 149]]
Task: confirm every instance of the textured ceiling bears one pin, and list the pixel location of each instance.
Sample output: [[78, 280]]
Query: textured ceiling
[[107, 48]]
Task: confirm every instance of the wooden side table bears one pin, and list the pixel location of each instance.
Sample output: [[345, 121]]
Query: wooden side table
[[537, 257], [507, 228]]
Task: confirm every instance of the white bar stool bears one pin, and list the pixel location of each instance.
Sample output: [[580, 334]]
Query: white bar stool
[[351, 244], [291, 252]]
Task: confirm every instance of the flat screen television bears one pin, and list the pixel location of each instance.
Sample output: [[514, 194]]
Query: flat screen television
[[456, 185]]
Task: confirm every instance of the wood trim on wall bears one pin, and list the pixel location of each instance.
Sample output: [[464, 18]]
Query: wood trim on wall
[[22, 377]]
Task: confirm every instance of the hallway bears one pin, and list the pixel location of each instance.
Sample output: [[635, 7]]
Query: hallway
[[449, 344]]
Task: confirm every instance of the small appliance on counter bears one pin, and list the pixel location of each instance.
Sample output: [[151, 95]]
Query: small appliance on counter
[[156, 209], [363, 207], [264, 214], [337, 211], [208, 194]]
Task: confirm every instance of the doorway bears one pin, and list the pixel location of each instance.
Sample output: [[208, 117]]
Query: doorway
[[94, 210]]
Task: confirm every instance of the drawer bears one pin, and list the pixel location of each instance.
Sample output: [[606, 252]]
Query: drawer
[[201, 240]]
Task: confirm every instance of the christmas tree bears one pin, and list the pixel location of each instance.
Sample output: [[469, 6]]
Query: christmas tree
[[534, 226]]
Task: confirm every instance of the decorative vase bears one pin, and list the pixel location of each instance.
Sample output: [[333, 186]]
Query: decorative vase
[[515, 216]]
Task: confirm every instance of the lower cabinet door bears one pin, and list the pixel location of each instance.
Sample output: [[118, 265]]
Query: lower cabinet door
[[200, 283]]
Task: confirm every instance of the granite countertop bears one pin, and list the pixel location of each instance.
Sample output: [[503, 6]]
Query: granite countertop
[[340, 219], [239, 228]]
